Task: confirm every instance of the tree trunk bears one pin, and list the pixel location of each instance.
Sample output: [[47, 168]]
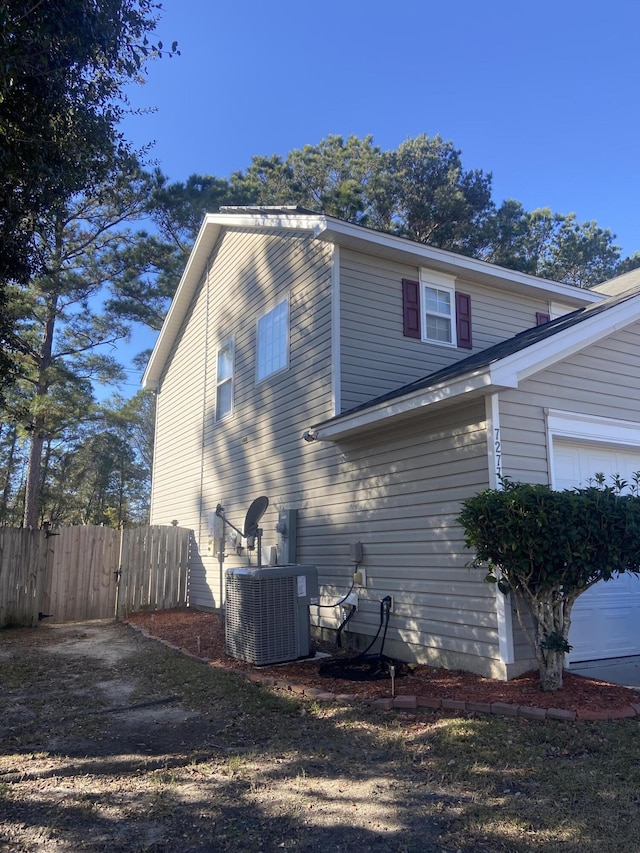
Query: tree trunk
[[550, 611], [551, 672], [33, 485], [33, 488], [8, 481]]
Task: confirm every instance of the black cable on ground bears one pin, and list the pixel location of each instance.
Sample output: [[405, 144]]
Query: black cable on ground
[[363, 666]]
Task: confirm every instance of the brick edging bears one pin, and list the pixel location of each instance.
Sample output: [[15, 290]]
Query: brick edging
[[410, 702]]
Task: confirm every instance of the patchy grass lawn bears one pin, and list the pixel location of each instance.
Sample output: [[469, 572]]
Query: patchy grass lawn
[[109, 741]]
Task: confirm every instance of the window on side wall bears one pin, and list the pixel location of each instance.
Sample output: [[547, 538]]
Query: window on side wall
[[438, 314], [272, 352], [224, 381], [435, 312]]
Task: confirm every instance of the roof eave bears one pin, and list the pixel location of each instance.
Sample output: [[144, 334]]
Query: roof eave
[[200, 253], [333, 230], [504, 373], [549, 351], [418, 254], [475, 384]]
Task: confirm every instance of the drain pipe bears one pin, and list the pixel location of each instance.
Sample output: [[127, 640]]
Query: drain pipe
[[221, 542]]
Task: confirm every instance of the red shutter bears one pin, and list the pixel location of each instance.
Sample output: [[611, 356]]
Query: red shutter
[[463, 320], [541, 318], [411, 308]]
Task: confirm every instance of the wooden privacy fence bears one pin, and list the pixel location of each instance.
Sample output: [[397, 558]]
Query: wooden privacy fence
[[155, 569], [73, 574], [23, 569]]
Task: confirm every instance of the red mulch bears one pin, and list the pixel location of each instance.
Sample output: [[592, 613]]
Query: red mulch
[[202, 634]]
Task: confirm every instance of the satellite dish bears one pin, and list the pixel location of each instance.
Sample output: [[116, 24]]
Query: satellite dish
[[254, 514]]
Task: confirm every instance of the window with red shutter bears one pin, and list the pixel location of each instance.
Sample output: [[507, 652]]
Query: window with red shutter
[[411, 308], [463, 320], [444, 307]]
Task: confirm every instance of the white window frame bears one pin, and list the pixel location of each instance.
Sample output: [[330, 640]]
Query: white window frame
[[438, 281], [264, 366], [228, 345]]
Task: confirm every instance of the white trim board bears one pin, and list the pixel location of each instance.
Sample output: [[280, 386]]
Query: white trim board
[[504, 615], [336, 348], [576, 426]]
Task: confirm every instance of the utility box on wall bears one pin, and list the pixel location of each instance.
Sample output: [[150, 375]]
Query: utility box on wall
[[287, 530]]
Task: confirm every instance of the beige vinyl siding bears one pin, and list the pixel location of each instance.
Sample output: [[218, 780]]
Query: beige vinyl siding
[[375, 355], [399, 493], [178, 449], [558, 309], [524, 657], [257, 450], [498, 314], [200, 462], [602, 380]]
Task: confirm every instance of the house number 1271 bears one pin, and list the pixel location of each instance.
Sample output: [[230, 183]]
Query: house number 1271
[[497, 446]]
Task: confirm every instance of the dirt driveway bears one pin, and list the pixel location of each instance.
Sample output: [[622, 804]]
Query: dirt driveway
[[110, 741]]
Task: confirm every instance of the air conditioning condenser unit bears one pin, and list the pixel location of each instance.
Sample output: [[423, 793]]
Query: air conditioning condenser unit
[[267, 613]]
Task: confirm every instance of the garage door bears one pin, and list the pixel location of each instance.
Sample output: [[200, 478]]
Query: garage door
[[605, 619]]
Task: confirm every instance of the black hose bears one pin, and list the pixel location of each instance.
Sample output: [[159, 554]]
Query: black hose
[[363, 666], [340, 601], [383, 610]]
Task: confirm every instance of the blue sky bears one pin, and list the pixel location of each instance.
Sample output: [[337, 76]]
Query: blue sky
[[543, 95]]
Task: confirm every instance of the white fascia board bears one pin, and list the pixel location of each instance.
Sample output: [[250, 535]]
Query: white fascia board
[[196, 263], [422, 255], [292, 221], [477, 383], [513, 369]]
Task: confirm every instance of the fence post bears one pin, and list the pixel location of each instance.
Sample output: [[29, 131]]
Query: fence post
[[118, 574]]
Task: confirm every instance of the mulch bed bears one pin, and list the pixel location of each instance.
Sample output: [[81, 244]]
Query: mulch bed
[[202, 635]]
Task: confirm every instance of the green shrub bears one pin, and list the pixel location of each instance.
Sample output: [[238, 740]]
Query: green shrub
[[548, 547]]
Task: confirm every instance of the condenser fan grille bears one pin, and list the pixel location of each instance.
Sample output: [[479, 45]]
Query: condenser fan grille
[[266, 613], [261, 619]]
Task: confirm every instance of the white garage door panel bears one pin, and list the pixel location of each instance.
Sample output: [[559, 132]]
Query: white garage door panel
[[602, 629], [577, 464], [605, 621]]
